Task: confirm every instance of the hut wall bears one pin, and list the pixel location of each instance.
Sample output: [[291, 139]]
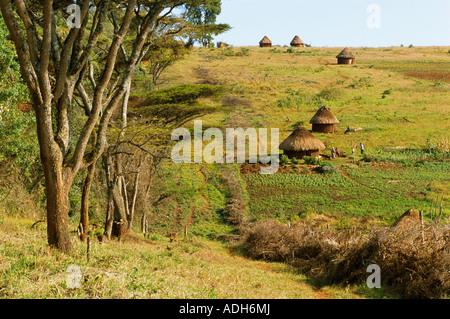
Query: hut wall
[[324, 128], [265, 45], [301, 154], [346, 61]]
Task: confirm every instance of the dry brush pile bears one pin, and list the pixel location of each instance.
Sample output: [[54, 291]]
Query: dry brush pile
[[414, 259]]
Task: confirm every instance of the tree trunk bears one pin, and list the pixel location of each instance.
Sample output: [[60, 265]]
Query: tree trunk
[[116, 217], [133, 201], [84, 213], [109, 218], [144, 223], [57, 209], [120, 225]]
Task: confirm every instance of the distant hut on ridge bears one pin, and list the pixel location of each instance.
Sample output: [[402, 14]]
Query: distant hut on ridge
[[346, 57], [297, 42], [221, 45], [301, 143], [324, 121], [265, 43]]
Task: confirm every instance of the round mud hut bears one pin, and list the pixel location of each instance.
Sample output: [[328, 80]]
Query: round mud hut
[[346, 57], [297, 42], [324, 121], [265, 43], [301, 143]]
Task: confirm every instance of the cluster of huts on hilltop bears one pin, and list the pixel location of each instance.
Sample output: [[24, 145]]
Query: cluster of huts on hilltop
[[344, 57], [301, 142], [296, 42]]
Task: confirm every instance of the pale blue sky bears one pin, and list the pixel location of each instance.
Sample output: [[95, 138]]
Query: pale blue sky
[[330, 23]]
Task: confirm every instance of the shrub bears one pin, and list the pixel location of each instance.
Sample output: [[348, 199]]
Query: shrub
[[413, 266], [284, 159], [312, 160], [290, 50], [327, 168]]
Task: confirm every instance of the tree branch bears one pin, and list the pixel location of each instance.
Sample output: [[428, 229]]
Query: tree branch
[[26, 67], [44, 80]]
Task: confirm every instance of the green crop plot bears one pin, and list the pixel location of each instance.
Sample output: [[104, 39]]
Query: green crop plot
[[381, 192]]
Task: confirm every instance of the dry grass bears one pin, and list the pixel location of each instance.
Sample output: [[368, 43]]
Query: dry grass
[[142, 269], [411, 266]]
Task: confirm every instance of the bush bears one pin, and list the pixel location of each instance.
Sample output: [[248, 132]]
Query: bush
[[290, 50], [412, 267], [284, 159], [312, 160], [327, 168]]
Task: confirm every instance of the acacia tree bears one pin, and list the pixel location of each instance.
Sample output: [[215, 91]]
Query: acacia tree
[[54, 64], [203, 21]]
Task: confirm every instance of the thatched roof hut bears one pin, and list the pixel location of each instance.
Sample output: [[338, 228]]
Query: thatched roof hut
[[297, 42], [346, 57], [324, 121], [265, 43], [301, 143]]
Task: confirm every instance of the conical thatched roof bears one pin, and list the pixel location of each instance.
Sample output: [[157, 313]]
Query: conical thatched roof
[[301, 140], [324, 116], [297, 41], [265, 40], [346, 54]]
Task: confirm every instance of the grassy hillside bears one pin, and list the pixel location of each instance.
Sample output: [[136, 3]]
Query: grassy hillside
[[145, 268], [378, 94], [397, 96]]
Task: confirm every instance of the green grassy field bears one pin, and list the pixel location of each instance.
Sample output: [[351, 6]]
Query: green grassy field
[[398, 97]]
